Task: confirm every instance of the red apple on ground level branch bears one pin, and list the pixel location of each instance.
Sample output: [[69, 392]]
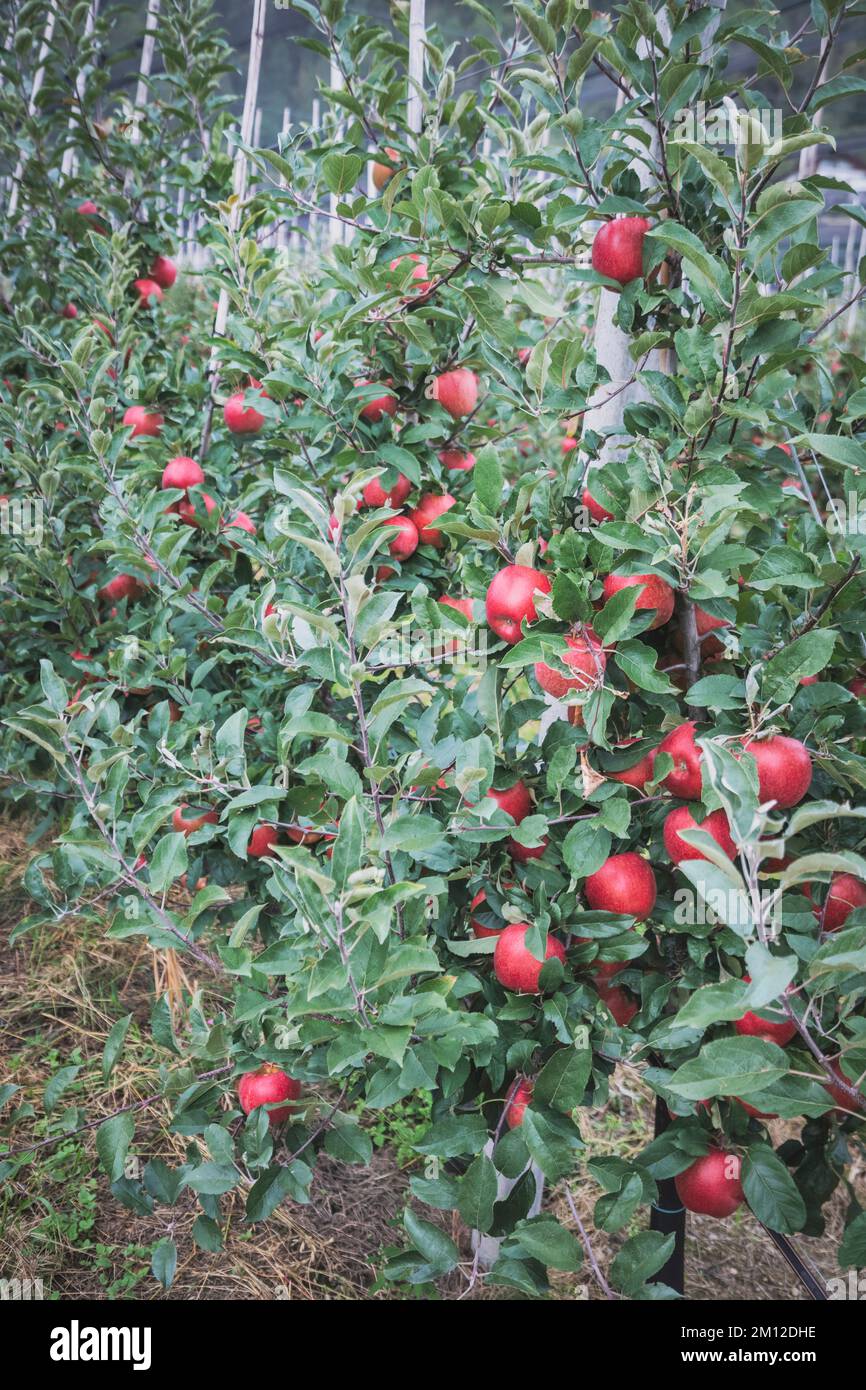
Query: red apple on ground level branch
[[268, 1086]]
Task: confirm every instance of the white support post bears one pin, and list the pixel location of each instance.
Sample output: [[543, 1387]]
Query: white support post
[[851, 319], [336, 229], [239, 187], [38, 79], [417, 37], [146, 66], [282, 230], [80, 86]]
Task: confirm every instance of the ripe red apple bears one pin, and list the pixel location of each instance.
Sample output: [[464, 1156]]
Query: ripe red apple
[[188, 826], [163, 271], [622, 1005], [847, 1104], [715, 824], [374, 495], [462, 605], [711, 1185], [515, 801], [182, 472], [242, 522], [405, 543], [143, 422], [69, 311], [383, 172], [265, 1087], [431, 506], [420, 277], [784, 769], [88, 209], [511, 599], [858, 686], [456, 460], [595, 509], [844, 895], [568, 443], [639, 773], [380, 406], [478, 928], [514, 965], [685, 778], [779, 1030], [617, 248], [122, 586], [523, 853], [187, 509], [148, 291], [241, 419], [519, 1097], [585, 657], [756, 1114], [261, 840], [457, 391], [654, 593], [711, 647], [625, 883]]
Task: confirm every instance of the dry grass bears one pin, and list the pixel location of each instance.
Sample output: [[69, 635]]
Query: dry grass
[[60, 992]]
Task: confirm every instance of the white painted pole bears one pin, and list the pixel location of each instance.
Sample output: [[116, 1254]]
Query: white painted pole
[[146, 66], [851, 320], [239, 186], [80, 86], [282, 229], [38, 79], [417, 36]]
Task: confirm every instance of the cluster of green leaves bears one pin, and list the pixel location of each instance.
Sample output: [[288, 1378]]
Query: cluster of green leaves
[[254, 674]]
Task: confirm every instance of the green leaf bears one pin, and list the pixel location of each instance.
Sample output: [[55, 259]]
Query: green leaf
[[641, 1257], [113, 1139], [341, 171], [438, 1250], [488, 480], [563, 1078], [771, 1191], [164, 1262], [60, 1081], [478, 1190], [114, 1045], [729, 1067], [546, 1240]]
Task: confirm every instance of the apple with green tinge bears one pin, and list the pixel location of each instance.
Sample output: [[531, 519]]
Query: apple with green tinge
[[456, 391], [431, 506], [188, 826]]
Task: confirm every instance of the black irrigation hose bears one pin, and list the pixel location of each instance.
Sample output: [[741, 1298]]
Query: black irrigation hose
[[813, 1287]]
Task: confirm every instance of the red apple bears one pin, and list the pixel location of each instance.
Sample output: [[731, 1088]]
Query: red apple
[[779, 1030], [478, 928], [511, 599], [461, 605], [143, 422], [585, 657], [519, 1097], [706, 624], [858, 686], [515, 801], [182, 472], [847, 1104], [654, 593], [784, 769], [187, 509], [639, 773], [617, 248], [595, 509], [845, 894], [265, 1087], [568, 444], [514, 965], [374, 495], [420, 278], [163, 271], [383, 172], [711, 1185], [375, 409], [523, 853], [715, 824], [685, 778], [69, 311], [456, 460], [431, 506], [457, 391], [261, 840], [244, 419], [405, 543], [622, 1005], [189, 826], [625, 883], [122, 586], [148, 291]]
